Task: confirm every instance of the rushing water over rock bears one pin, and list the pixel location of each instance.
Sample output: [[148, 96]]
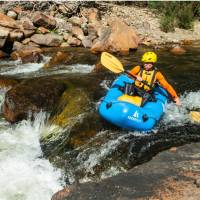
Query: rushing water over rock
[[25, 174], [91, 148]]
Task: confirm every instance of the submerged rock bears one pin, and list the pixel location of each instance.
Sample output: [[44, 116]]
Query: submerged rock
[[31, 96], [59, 58], [7, 82], [177, 50]]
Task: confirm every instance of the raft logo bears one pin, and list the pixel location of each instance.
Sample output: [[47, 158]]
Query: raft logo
[[135, 114], [134, 117]]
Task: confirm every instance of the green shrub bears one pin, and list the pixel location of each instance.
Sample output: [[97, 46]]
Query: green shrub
[[176, 13]]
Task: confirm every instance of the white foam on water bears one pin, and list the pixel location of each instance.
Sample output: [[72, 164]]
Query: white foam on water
[[18, 68], [96, 157], [67, 69], [24, 173], [179, 115], [105, 84]]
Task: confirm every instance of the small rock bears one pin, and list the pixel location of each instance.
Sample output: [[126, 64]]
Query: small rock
[[177, 50], [42, 30], [173, 149], [17, 46], [197, 183], [16, 35], [4, 32], [26, 24], [40, 19], [17, 9], [72, 41], [77, 32], [59, 58], [66, 36], [27, 55], [2, 54], [7, 82], [77, 21], [64, 44], [26, 41], [87, 42], [186, 42], [63, 194], [12, 14], [28, 33]]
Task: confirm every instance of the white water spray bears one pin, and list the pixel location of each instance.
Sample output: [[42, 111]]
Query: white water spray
[[24, 173], [177, 116]]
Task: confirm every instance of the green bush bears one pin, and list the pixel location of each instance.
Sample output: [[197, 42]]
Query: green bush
[[176, 13]]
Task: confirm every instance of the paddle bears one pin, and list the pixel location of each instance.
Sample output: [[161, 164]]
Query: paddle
[[113, 64]]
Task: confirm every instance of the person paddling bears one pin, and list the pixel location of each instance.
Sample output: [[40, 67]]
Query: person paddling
[[148, 75]]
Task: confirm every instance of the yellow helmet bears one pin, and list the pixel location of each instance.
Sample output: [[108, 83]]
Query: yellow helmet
[[149, 57]]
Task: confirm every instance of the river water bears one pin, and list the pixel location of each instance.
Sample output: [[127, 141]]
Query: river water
[[24, 172]]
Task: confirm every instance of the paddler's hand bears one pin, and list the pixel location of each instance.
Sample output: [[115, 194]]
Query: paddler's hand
[[177, 101], [139, 78]]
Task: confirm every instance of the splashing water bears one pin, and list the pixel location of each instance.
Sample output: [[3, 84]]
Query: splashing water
[[24, 174], [16, 67], [179, 115]]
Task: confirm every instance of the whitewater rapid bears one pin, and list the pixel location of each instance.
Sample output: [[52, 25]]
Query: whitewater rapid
[[24, 173]]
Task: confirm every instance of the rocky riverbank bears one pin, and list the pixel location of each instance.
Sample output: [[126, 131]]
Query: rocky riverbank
[[171, 175], [26, 28]]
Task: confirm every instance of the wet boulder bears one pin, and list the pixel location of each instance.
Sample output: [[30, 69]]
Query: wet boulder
[[73, 41], [31, 96], [50, 39], [7, 21], [178, 50], [6, 82], [27, 54], [118, 37], [59, 58], [2, 54], [40, 19]]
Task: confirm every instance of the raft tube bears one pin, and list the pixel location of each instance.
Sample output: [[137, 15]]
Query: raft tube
[[127, 115]]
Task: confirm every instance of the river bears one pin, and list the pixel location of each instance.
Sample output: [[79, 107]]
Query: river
[[25, 174]]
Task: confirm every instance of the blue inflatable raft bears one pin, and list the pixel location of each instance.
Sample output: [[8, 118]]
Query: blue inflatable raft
[[128, 115]]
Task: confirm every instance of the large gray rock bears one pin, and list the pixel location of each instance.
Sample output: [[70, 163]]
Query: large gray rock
[[40, 19], [50, 39]]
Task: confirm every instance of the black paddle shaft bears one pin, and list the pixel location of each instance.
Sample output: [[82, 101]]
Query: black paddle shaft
[[127, 72]]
